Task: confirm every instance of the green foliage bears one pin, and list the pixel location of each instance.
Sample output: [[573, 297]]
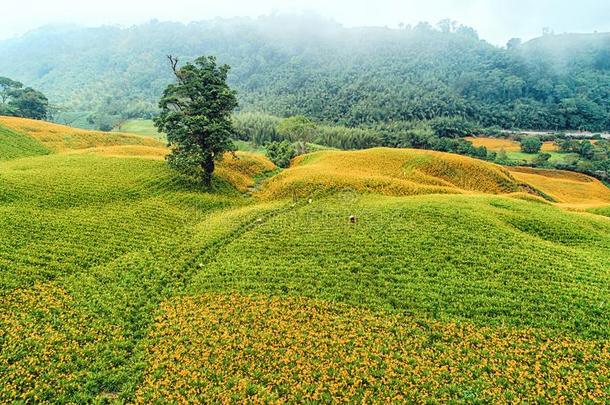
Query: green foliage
[[568, 145], [452, 127], [347, 138], [23, 102], [591, 158], [7, 88], [586, 150], [77, 119], [281, 153], [542, 160], [102, 121], [287, 65], [258, 128], [502, 157], [196, 116], [297, 129], [531, 144]]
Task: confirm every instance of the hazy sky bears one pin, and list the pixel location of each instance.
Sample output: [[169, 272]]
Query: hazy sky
[[495, 20]]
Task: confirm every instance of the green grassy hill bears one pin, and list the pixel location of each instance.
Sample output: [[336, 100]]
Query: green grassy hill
[[121, 281], [141, 127], [14, 145]]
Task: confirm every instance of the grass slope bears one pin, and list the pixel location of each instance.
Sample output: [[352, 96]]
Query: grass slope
[[601, 210], [59, 138], [490, 260], [96, 241], [141, 127], [15, 145], [123, 282]]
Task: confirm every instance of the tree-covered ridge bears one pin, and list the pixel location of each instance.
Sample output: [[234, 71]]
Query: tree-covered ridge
[[288, 65]]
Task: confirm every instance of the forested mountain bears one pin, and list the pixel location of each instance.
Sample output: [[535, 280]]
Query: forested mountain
[[287, 65]]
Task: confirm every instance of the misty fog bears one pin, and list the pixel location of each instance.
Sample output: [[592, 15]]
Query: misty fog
[[495, 20]]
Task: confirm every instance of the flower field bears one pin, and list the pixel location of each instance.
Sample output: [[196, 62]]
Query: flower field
[[59, 138], [229, 348], [508, 145], [123, 282], [567, 188], [488, 260], [394, 172]]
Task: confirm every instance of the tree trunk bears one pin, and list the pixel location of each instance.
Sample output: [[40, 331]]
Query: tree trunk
[[208, 168]]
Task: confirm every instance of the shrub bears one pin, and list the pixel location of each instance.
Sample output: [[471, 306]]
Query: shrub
[[531, 144], [298, 129], [281, 153], [542, 159]]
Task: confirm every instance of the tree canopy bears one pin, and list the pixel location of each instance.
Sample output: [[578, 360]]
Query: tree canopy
[[531, 144], [22, 102]]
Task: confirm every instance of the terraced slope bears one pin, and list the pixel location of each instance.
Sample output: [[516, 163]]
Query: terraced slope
[[120, 281]]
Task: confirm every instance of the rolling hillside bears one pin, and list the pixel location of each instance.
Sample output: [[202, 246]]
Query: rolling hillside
[[456, 280], [59, 138]]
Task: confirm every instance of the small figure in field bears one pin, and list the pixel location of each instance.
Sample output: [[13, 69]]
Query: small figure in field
[[353, 219]]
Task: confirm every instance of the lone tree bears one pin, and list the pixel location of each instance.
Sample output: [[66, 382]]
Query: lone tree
[[196, 116]]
